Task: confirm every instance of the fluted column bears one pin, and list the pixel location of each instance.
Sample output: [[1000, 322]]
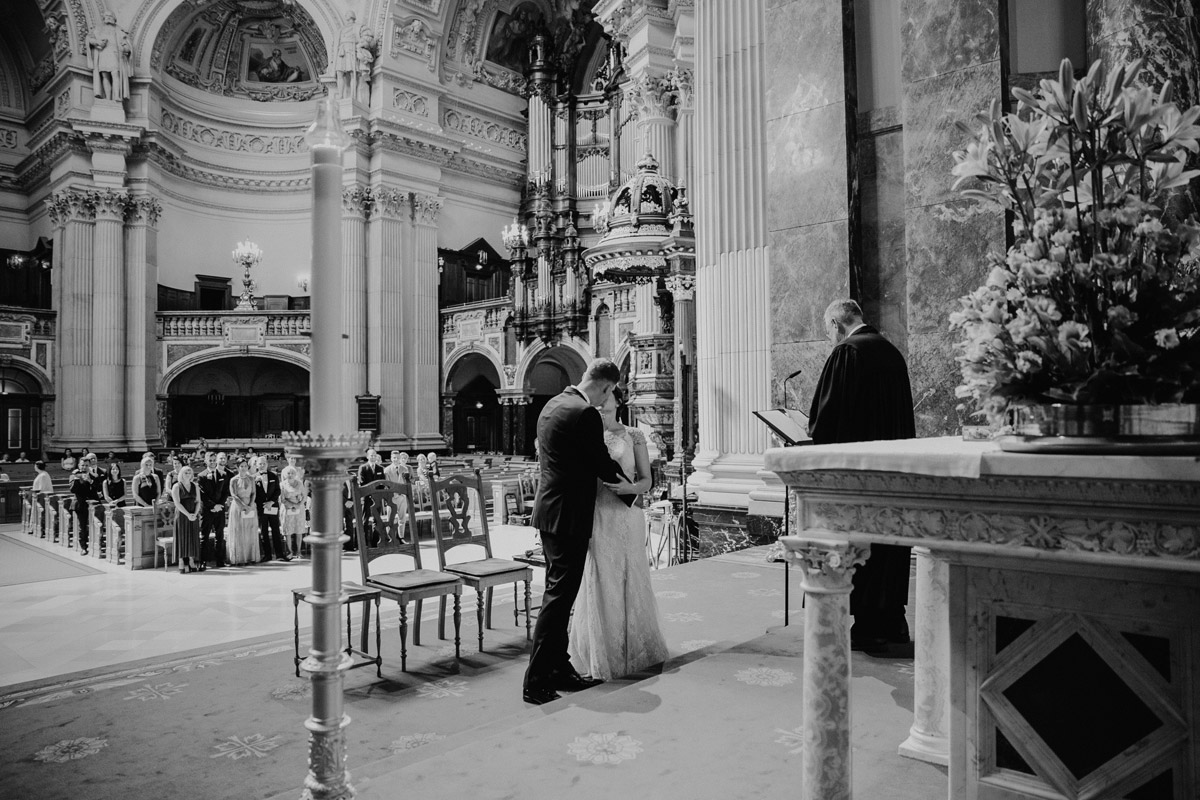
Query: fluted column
[[424, 358], [649, 317], [141, 280], [356, 203], [827, 567], [732, 258], [683, 292], [107, 393], [75, 210], [652, 97], [685, 128], [388, 231]]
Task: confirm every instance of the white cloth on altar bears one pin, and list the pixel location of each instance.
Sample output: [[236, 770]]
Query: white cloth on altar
[[947, 456]]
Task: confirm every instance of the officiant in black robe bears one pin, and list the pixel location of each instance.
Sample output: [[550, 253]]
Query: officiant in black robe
[[864, 395]]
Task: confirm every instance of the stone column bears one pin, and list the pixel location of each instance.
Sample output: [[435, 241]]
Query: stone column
[[75, 211], [929, 737], [107, 395], [733, 268], [653, 99], [652, 387], [683, 290], [520, 424], [950, 69], [424, 359], [1163, 34], [387, 235], [827, 567], [141, 280], [448, 417], [685, 127], [356, 203]]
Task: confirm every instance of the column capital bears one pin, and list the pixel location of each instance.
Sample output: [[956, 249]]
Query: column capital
[[72, 205], [110, 205], [653, 97], [142, 209], [389, 203], [426, 208], [681, 286], [827, 564], [356, 201]]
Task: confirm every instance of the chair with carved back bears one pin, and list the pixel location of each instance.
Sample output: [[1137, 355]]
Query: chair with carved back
[[391, 530], [460, 520]]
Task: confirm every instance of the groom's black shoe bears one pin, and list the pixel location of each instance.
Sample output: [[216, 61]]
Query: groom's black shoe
[[574, 682], [538, 695]]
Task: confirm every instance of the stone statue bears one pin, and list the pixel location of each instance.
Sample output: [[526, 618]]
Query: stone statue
[[345, 64], [109, 52], [365, 59]]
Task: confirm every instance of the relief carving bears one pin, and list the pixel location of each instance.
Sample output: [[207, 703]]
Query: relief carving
[[480, 128]]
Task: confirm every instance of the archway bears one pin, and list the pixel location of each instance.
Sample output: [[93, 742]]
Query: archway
[[555, 369], [239, 397], [21, 413], [478, 422]]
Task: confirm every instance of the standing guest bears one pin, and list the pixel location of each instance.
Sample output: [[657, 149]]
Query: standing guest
[[186, 496], [85, 485], [433, 469], [22, 458], [172, 476], [224, 471], [214, 497], [294, 463], [242, 531], [113, 487], [397, 471], [146, 485], [293, 496], [68, 460], [267, 500], [43, 487], [864, 395], [372, 470], [422, 468]]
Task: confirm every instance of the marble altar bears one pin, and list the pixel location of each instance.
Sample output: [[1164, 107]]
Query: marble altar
[[1066, 655]]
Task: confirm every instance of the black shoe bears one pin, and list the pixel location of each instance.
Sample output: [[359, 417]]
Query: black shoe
[[574, 682], [285, 558], [539, 696]]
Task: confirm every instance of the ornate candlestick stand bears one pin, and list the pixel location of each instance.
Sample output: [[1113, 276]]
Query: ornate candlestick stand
[[248, 255], [325, 455]]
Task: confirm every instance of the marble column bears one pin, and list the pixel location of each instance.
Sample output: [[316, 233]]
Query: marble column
[[733, 267], [950, 70], [929, 737], [356, 204], [826, 570], [520, 426], [813, 189], [141, 280], [652, 98], [107, 335], [448, 417], [685, 127], [423, 357], [1161, 32], [388, 234], [75, 211], [683, 290]]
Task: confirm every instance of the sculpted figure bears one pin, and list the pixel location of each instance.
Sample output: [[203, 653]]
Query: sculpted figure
[[108, 56], [345, 64]]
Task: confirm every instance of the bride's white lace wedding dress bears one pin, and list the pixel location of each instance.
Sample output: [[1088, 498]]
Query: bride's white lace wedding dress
[[615, 628]]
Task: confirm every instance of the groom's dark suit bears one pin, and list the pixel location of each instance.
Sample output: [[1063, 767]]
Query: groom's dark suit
[[573, 456]]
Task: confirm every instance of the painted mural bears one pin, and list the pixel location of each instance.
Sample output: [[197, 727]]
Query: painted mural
[[508, 43]]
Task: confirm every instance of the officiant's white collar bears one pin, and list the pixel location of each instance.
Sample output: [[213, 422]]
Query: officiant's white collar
[[854, 330]]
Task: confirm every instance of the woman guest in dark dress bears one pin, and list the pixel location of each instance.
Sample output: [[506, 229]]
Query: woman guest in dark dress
[[186, 495], [114, 486], [146, 485]]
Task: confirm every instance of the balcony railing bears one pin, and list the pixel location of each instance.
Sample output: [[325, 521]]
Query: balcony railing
[[491, 314], [214, 324], [43, 322]]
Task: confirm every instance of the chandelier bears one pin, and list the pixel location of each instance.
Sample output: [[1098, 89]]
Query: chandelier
[[246, 255]]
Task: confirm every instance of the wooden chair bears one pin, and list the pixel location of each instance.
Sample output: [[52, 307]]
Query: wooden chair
[[455, 524], [164, 532], [391, 533]]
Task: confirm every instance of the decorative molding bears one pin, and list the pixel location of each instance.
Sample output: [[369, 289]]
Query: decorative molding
[[110, 206], [390, 204], [653, 97], [681, 287], [1010, 529], [426, 208], [827, 566], [8, 138], [231, 140], [411, 102], [356, 201], [143, 210], [414, 38], [484, 129]]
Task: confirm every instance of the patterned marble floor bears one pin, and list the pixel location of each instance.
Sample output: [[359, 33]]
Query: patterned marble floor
[[62, 626]]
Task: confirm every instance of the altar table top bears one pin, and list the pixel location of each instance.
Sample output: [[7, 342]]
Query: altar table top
[[951, 456]]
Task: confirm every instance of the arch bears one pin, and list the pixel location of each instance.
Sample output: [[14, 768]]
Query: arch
[[566, 356], [463, 351], [216, 354], [237, 397], [471, 365], [23, 377]]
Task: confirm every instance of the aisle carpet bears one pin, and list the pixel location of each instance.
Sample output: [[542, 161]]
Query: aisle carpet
[[24, 563], [228, 722]]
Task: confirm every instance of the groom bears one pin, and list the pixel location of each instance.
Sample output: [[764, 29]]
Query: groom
[[573, 455]]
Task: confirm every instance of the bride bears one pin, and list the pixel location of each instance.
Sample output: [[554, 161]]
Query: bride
[[615, 627]]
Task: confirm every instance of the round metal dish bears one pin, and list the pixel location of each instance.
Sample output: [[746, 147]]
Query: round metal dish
[[1099, 445]]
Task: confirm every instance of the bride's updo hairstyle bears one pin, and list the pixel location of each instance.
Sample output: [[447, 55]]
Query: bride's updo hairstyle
[[618, 395]]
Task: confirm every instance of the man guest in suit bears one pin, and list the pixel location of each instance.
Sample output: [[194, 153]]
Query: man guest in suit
[[370, 472], [570, 437], [266, 498], [863, 395], [85, 483], [214, 498]]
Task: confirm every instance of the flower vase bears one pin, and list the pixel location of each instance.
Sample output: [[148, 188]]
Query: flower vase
[[1098, 429]]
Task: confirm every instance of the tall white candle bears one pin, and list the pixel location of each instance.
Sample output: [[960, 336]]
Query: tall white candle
[[327, 289]]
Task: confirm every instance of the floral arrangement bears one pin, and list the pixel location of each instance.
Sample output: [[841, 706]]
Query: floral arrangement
[[1098, 299], [247, 254]]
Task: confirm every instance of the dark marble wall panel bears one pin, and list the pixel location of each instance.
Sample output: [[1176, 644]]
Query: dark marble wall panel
[[808, 271], [786, 359], [725, 530], [881, 161], [944, 35], [806, 164], [947, 248], [1168, 48], [934, 375], [804, 70], [931, 109]]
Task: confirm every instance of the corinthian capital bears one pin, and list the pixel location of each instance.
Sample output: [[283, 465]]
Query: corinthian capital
[[110, 205], [653, 97], [426, 208], [389, 203], [828, 564], [142, 209], [681, 287], [356, 201], [72, 205]]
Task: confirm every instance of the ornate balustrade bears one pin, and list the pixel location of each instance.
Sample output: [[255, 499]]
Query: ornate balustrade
[[197, 335], [206, 324]]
